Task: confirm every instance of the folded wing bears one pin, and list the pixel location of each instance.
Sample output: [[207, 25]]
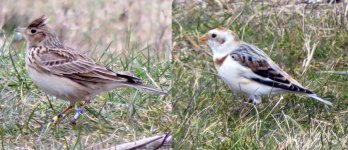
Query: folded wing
[[264, 70], [79, 68]]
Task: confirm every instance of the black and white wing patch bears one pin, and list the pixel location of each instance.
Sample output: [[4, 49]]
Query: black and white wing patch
[[266, 71]]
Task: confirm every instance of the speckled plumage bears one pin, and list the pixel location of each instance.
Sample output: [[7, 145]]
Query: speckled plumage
[[63, 72]]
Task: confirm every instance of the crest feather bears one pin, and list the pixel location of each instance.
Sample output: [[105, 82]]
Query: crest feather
[[39, 22]]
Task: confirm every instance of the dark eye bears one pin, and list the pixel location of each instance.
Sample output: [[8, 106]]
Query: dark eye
[[33, 31], [213, 35]]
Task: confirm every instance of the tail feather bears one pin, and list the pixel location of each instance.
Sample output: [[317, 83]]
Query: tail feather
[[320, 99], [144, 87], [131, 79]]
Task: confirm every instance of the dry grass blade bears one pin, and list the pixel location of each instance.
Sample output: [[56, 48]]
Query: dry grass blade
[[310, 49]]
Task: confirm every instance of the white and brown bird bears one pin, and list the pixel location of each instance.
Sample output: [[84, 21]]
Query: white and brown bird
[[66, 74], [247, 69]]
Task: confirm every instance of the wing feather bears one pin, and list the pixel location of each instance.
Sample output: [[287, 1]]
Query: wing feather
[[265, 70], [79, 68]]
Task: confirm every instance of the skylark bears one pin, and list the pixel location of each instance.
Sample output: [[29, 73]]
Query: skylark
[[66, 74], [247, 69]]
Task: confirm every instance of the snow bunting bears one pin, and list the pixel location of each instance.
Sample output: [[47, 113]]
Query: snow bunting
[[247, 69], [62, 72]]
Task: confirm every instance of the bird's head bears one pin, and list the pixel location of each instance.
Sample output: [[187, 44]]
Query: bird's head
[[37, 33], [220, 40]]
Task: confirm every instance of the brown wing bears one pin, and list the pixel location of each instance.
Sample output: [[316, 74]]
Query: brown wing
[[266, 72], [79, 68]]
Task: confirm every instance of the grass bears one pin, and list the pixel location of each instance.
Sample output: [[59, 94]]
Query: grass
[[205, 106], [112, 118]]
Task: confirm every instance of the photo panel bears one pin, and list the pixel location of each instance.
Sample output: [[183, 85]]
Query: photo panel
[[85, 74], [235, 61]]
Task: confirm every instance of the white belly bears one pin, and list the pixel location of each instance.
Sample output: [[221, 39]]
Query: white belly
[[56, 86], [232, 73]]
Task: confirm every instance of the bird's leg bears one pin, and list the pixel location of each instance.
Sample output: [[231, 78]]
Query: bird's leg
[[255, 99], [79, 111], [60, 115]]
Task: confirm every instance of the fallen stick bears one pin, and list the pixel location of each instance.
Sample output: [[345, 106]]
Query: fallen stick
[[155, 142]]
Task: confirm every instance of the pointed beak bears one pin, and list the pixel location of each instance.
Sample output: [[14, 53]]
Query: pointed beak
[[20, 30], [203, 38], [19, 35]]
